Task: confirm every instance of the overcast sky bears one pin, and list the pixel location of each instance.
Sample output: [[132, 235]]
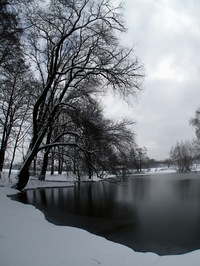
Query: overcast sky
[[166, 35]]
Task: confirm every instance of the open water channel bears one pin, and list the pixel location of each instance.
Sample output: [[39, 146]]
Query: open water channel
[[158, 213]]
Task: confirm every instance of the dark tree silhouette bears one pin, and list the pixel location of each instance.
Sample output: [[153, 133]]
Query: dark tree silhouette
[[74, 44]]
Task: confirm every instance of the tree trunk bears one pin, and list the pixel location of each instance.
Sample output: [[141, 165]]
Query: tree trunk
[[17, 140], [60, 163], [44, 166], [32, 153], [52, 162], [88, 163], [2, 156], [23, 178], [46, 157], [13, 155]]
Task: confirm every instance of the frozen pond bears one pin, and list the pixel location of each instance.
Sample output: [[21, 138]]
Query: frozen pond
[[158, 213]]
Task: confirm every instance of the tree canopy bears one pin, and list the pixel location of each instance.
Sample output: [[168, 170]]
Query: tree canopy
[[74, 52]]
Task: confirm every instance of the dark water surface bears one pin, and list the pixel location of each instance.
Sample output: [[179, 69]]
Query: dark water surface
[[159, 213]]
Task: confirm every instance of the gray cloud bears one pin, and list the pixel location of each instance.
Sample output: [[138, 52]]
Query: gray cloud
[[166, 35]]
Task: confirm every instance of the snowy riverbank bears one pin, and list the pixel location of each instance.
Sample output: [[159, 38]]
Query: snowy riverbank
[[27, 239]]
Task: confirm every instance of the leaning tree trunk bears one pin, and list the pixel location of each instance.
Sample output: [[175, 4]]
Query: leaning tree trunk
[[24, 171]]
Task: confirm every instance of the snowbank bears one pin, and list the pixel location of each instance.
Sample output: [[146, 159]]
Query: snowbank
[[27, 239]]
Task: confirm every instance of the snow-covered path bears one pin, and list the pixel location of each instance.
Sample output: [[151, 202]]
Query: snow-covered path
[[27, 239]]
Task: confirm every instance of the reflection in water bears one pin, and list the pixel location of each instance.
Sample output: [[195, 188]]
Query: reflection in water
[[158, 213], [188, 190]]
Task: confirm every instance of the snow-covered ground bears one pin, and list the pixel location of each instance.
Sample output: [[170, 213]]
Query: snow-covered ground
[[27, 239]]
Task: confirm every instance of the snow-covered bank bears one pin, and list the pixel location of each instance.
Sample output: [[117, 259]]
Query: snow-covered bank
[[27, 239]]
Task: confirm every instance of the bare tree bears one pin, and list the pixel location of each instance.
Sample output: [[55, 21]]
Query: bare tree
[[137, 157], [15, 87], [183, 155], [74, 43], [14, 79], [10, 32], [101, 137], [195, 122], [87, 138]]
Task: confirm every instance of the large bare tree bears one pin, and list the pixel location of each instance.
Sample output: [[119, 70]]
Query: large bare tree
[[14, 80], [73, 44]]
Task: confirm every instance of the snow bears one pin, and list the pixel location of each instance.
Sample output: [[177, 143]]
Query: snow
[[27, 239]]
